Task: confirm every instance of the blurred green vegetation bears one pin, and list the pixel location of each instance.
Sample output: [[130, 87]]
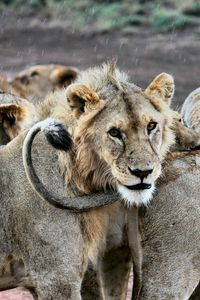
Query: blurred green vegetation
[[30, 6], [162, 16]]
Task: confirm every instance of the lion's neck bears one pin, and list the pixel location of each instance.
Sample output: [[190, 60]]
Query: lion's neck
[[85, 171]]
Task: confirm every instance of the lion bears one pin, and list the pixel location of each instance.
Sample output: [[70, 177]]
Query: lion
[[169, 227], [33, 84], [170, 232], [186, 138], [36, 82], [16, 115], [60, 76], [110, 120]]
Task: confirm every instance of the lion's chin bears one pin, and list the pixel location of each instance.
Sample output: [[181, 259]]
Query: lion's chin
[[136, 197]]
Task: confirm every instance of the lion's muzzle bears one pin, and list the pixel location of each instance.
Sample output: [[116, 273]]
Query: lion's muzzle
[[140, 186]]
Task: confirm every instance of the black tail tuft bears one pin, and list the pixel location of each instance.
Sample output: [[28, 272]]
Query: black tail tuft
[[58, 136]]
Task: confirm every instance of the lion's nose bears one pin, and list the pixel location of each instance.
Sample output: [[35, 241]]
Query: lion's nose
[[140, 173]]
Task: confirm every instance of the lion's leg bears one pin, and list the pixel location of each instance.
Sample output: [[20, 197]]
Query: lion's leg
[[136, 250], [57, 273], [114, 269], [57, 288], [111, 280], [114, 266], [167, 276], [91, 288]]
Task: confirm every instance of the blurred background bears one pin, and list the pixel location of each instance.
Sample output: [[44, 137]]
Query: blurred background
[[147, 37]]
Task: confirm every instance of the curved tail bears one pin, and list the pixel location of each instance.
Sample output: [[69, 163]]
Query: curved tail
[[60, 139]]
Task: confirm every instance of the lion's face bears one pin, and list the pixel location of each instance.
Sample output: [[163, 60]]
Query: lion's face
[[130, 131], [132, 143], [37, 81]]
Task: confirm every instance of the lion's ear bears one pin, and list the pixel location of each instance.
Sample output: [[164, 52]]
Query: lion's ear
[[11, 113], [162, 87], [63, 76], [81, 98]]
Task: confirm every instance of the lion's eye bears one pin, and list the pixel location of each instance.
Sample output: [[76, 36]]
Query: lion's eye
[[114, 132], [151, 126]]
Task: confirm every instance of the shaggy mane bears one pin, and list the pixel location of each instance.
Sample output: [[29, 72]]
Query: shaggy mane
[[85, 169], [98, 77], [13, 111]]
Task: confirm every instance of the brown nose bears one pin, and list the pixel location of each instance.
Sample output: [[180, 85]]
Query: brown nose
[[140, 173]]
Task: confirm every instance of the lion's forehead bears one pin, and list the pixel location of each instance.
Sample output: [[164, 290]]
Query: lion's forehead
[[132, 111]]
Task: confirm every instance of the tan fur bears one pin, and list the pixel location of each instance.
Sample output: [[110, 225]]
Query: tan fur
[[191, 110], [170, 237], [33, 83], [96, 224], [46, 242], [102, 97], [77, 92], [166, 87], [12, 110], [36, 82], [170, 243], [4, 84], [16, 115], [170, 226], [84, 131], [186, 138], [61, 76]]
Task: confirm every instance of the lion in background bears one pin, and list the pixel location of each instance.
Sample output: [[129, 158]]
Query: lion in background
[[19, 94], [36, 82]]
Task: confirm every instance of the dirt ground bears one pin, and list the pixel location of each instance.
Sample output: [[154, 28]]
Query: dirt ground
[[140, 52]]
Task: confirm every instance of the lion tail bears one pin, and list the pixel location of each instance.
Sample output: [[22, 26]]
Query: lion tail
[[59, 138]]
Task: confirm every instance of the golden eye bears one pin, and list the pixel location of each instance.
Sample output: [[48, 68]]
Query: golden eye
[[151, 126], [114, 132]]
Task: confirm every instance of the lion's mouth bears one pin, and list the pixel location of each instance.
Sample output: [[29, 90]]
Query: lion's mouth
[[195, 148], [140, 186]]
